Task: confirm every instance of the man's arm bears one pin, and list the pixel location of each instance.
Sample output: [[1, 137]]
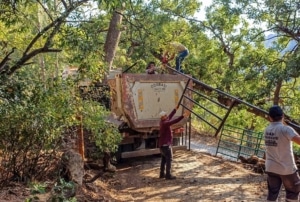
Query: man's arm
[[171, 122], [167, 57], [172, 56], [296, 139], [172, 113]]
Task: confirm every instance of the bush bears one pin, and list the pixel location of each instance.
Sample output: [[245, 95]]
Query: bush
[[33, 118], [31, 123]]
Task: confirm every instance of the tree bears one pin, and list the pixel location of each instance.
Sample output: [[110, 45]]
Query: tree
[[113, 37], [36, 111], [281, 18], [42, 39]]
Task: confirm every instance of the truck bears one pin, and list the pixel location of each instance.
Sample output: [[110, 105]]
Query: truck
[[135, 103]]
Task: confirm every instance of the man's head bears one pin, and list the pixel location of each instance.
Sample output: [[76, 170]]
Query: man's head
[[151, 65], [276, 113], [163, 115]]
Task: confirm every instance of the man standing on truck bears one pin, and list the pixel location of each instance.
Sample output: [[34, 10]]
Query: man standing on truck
[[165, 142], [280, 162], [181, 52]]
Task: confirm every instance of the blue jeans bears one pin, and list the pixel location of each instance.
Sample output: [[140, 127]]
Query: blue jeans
[[179, 58]]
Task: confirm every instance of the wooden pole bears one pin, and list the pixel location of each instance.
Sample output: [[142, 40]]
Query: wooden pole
[[80, 137]]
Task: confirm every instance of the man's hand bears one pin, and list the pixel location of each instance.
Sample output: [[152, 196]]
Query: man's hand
[[177, 106], [186, 114]]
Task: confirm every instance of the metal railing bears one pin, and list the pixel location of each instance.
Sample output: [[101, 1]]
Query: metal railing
[[234, 102], [235, 142]]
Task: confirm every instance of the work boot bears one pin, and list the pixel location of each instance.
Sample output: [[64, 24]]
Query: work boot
[[170, 177], [162, 175]]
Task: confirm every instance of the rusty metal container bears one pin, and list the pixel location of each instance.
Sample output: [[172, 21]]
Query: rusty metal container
[[137, 99]]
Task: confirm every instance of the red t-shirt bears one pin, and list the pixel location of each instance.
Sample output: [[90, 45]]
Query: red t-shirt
[[165, 133]]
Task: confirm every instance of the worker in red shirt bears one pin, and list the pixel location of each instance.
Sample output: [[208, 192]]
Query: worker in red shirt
[[165, 142]]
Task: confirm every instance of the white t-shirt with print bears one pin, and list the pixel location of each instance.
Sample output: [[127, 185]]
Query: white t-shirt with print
[[279, 148]]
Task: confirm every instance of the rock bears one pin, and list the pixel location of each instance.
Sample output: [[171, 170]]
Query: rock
[[73, 166], [258, 163]]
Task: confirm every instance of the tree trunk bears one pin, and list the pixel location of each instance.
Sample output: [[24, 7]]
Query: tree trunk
[[277, 93], [112, 38]]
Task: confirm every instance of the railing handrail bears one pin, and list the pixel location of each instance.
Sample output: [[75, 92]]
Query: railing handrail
[[293, 125]]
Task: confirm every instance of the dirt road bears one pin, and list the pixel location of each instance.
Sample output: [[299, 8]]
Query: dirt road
[[200, 177]]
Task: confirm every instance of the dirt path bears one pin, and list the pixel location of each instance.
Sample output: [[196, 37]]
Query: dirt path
[[200, 177]]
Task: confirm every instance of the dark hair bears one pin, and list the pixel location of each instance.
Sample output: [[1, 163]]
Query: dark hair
[[276, 113], [150, 63]]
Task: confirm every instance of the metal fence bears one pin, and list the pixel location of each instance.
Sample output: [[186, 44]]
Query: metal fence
[[235, 142]]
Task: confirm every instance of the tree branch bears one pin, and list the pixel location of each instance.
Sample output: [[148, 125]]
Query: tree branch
[[58, 21], [65, 4], [55, 25], [24, 59], [6, 59], [45, 9]]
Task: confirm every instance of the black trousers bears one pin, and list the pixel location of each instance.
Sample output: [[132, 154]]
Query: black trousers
[[166, 159], [275, 182]]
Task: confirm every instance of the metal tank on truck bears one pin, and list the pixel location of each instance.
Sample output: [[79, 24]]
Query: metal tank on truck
[[136, 101]]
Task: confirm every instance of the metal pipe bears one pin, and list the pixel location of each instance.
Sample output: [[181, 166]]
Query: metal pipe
[[293, 125], [187, 84]]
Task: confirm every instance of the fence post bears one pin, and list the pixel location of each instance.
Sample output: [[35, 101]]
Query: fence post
[[80, 138]]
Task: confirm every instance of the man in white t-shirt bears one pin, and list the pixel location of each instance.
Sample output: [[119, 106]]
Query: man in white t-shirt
[[280, 163]]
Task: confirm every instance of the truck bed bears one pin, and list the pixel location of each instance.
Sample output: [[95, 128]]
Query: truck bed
[[137, 99]]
